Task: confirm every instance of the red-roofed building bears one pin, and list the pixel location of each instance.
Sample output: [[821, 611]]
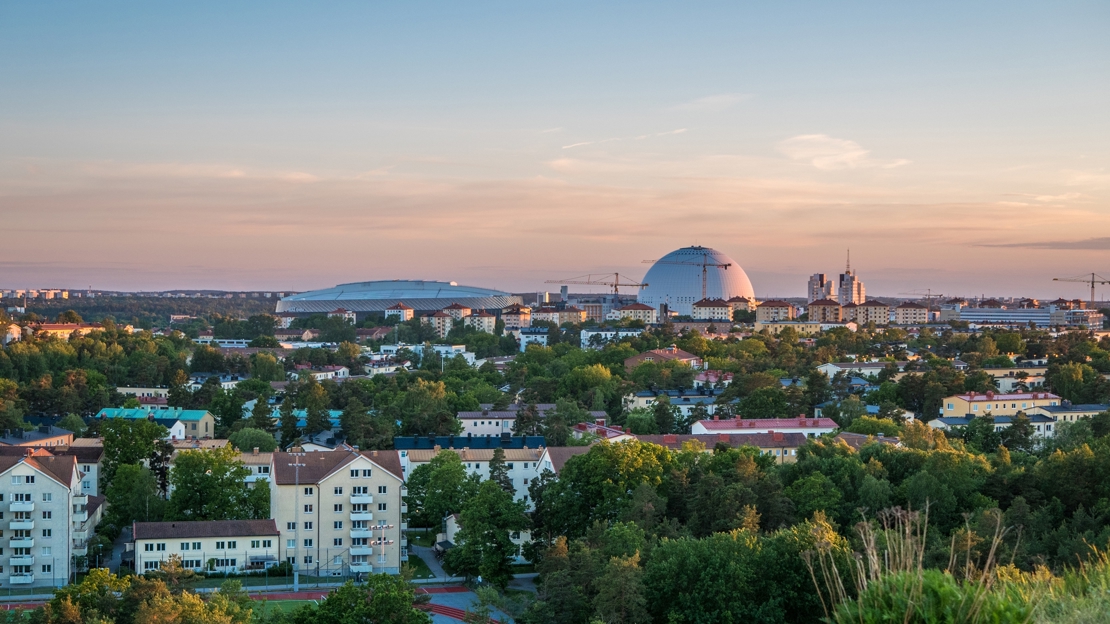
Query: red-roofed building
[[636, 312], [516, 317], [671, 353], [910, 313], [344, 314], [441, 321], [774, 312], [482, 321], [399, 310], [457, 311], [811, 427], [711, 310], [825, 311]]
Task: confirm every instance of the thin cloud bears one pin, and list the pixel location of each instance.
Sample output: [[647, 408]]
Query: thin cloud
[[633, 138], [829, 153], [550, 130], [1098, 244], [713, 103]]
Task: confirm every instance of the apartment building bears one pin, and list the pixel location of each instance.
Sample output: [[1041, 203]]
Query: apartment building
[[516, 317], [910, 313], [997, 404], [440, 321], [340, 512], [227, 546], [636, 312], [45, 514], [873, 312], [824, 311], [774, 312], [523, 464], [482, 321], [711, 310]]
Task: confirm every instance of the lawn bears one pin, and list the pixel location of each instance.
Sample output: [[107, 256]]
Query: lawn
[[419, 567], [285, 606], [426, 540]]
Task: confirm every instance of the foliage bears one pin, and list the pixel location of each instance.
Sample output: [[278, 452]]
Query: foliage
[[128, 441], [247, 439], [438, 489], [484, 547], [211, 485]]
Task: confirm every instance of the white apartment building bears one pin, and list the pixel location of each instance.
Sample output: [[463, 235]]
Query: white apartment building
[[820, 287], [711, 310], [340, 512], [636, 312], [207, 546], [481, 321], [597, 338], [45, 516]]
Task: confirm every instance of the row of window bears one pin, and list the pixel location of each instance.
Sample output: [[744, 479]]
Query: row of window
[[27, 497], [222, 545], [358, 490], [26, 515], [26, 552], [46, 568], [338, 525], [356, 508], [338, 559], [26, 533]]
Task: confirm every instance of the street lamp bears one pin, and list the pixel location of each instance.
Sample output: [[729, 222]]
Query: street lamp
[[296, 464], [382, 543]]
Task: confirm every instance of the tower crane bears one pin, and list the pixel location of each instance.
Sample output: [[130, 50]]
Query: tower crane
[[1083, 279], [928, 295], [589, 280], [705, 263]]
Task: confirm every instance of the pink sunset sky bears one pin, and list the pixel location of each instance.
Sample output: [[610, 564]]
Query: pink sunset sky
[[281, 146]]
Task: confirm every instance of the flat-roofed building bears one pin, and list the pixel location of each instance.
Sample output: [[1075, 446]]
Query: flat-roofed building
[[214, 546], [810, 427], [780, 445]]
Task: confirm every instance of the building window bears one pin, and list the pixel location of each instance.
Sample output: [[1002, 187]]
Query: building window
[[46, 497], [308, 491], [196, 545], [338, 541], [339, 491], [338, 524], [308, 559], [255, 543], [338, 508], [308, 508], [46, 551], [220, 546], [290, 543], [308, 543], [161, 547], [150, 565], [354, 475], [232, 544], [365, 474], [46, 515], [267, 543], [148, 547], [382, 489], [184, 545], [361, 490], [290, 526], [381, 506]]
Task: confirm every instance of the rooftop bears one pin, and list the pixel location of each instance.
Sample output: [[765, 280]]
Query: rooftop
[[207, 528], [769, 423]]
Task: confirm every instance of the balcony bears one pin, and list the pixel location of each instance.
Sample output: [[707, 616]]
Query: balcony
[[404, 525], [354, 533], [81, 499], [80, 549], [364, 499], [404, 542], [26, 525], [80, 513], [22, 560], [21, 579], [404, 508], [22, 542], [355, 515], [22, 506], [362, 550], [362, 567]]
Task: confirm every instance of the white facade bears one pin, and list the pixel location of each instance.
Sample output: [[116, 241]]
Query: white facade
[[596, 338], [45, 520]]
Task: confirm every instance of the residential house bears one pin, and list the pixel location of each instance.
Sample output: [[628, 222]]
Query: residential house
[[344, 314], [872, 311], [482, 321], [1068, 412], [742, 304], [182, 423], [980, 403], [782, 446], [910, 313], [213, 546], [532, 335], [811, 427], [636, 312], [440, 321], [44, 435], [669, 354], [516, 317], [1042, 425], [457, 311], [597, 338]]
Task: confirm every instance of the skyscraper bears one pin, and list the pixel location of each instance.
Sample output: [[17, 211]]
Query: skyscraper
[[820, 288], [851, 288]]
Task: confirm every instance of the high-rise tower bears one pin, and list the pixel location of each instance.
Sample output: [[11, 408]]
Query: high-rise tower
[[851, 288]]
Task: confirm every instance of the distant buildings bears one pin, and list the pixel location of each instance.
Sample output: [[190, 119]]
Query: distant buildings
[[440, 321], [774, 312], [824, 311], [820, 288], [810, 427], [400, 311], [636, 312], [710, 309], [910, 313], [671, 353]]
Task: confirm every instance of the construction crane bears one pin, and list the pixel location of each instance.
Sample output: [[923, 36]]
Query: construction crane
[[589, 280], [1092, 280], [927, 293], [705, 263]]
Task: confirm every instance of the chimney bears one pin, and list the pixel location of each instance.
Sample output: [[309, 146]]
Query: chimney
[[716, 417], [255, 452], [437, 448]]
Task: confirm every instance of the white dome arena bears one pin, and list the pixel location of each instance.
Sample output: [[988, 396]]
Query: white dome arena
[[675, 279]]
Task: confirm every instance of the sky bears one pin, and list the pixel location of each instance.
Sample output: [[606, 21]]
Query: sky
[[953, 146]]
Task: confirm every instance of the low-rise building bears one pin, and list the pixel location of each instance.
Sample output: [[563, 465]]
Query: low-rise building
[[711, 310], [910, 313], [774, 312], [516, 316], [1043, 426], [831, 369], [569, 314], [780, 445], [742, 304], [810, 427], [457, 311], [440, 321], [532, 335], [45, 435], [636, 312], [400, 311], [481, 321], [1068, 412], [872, 311], [522, 464], [824, 311], [996, 404], [344, 314], [182, 423], [216, 546], [669, 354], [804, 328], [599, 337]]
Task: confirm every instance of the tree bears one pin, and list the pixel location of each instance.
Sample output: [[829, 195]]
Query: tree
[[290, 432], [874, 426], [363, 429], [128, 441], [160, 464], [73, 422], [620, 597], [641, 421], [527, 421], [979, 434], [211, 485], [499, 471], [227, 407], [70, 316], [439, 488], [486, 523], [248, 438], [423, 410], [763, 403], [262, 416], [133, 494], [382, 598], [664, 414], [265, 367], [176, 577], [559, 421]]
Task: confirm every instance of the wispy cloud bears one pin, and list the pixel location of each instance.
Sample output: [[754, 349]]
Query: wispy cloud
[[1087, 244], [550, 130], [829, 153], [713, 103], [632, 138]]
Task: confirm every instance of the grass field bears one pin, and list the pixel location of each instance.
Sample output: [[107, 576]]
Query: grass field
[[419, 567], [422, 539]]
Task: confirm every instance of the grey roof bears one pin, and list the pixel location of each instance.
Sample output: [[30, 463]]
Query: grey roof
[[205, 528], [1066, 409], [381, 295]]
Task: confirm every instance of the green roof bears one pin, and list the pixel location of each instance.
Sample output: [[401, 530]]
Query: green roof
[[140, 413]]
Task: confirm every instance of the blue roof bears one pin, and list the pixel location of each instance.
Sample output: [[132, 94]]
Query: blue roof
[[171, 414], [1064, 409], [468, 441]]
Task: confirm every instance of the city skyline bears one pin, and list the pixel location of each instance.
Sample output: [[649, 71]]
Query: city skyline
[[271, 147]]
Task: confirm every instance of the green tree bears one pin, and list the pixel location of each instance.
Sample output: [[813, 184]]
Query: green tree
[[439, 488], [814, 493], [641, 421], [128, 441], [382, 598], [559, 421], [874, 426], [499, 471], [73, 422], [486, 523], [248, 438], [265, 367], [763, 403], [664, 414], [133, 494], [211, 485], [290, 432], [528, 422], [423, 410], [621, 595], [227, 407], [262, 415]]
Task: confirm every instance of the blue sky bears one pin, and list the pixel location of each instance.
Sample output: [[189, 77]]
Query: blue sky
[[957, 146]]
